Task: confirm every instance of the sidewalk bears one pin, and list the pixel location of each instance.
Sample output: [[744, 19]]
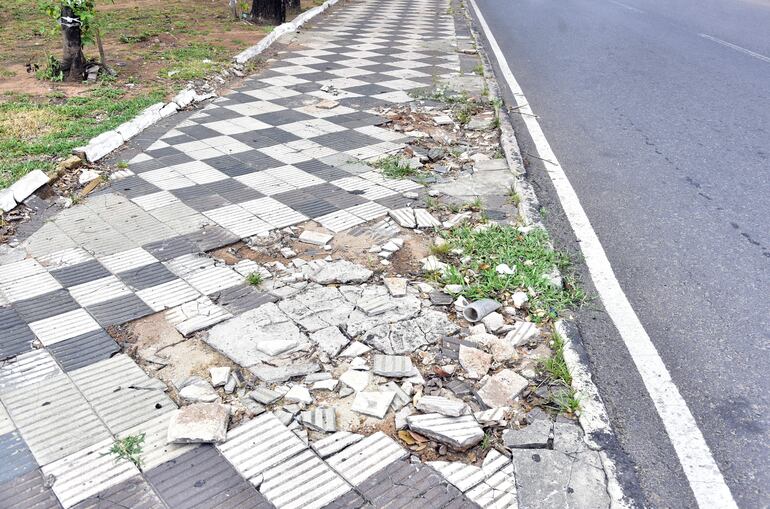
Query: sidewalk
[[242, 238]]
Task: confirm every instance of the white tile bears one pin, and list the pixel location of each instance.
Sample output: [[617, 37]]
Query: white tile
[[368, 211], [99, 290], [65, 326], [168, 295], [127, 260], [338, 221], [88, 472], [155, 200], [196, 315], [21, 269], [29, 286], [367, 457]]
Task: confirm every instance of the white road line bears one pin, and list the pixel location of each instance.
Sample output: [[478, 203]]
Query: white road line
[[633, 9], [737, 48], [702, 472]]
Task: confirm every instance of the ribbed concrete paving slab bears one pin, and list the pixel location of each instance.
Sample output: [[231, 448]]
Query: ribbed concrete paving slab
[[133, 493], [88, 472], [366, 457], [201, 479], [54, 418]]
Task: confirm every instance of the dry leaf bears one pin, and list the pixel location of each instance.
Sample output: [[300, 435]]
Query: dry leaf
[[406, 437]]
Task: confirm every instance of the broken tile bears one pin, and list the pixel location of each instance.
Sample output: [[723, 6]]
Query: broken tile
[[404, 217], [356, 380], [264, 395], [502, 388], [330, 340], [475, 362], [459, 433], [536, 435], [375, 404], [320, 419], [332, 444], [441, 405], [298, 394], [395, 285], [199, 423], [393, 365], [315, 238]]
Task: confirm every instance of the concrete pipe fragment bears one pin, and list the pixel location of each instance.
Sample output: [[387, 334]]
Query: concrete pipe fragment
[[477, 310]]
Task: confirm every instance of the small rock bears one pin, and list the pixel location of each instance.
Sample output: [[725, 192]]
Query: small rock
[[493, 321], [340, 271], [358, 363], [198, 423], [393, 365], [325, 385], [440, 299], [87, 175], [411, 195], [198, 390], [436, 153], [502, 388], [355, 349], [396, 286], [400, 417], [219, 376], [230, 385], [475, 362], [315, 238], [459, 433], [356, 380], [443, 120], [505, 270], [519, 299], [522, 333], [330, 340], [375, 404], [264, 395], [440, 405], [288, 252], [320, 419], [346, 391], [298, 394]]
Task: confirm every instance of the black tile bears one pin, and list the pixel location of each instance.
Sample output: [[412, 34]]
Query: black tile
[[165, 250], [84, 350], [242, 298], [369, 90], [15, 457], [45, 306], [257, 160], [256, 139], [163, 152], [202, 478], [134, 493], [281, 117], [278, 135], [119, 310], [211, 237], [146, 276], [216, 114], [344, 199], [228, 165], [80, 273], [321, 170], [233, 191], [133, 186], [28, 490], [206, 202], [199, 132]]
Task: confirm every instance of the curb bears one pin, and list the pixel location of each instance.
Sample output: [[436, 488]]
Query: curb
[[108, 141], [593, 416]]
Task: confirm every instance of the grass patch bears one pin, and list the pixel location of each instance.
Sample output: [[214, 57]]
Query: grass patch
[[34, 132], [254, 279], [194, 61], [555, 371], [532, 256], [394, 167], [129, 448]]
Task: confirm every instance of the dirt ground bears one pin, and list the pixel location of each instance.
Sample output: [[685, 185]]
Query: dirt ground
[[150, 43]]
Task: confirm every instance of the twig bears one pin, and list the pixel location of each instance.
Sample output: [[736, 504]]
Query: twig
[[542, 159]]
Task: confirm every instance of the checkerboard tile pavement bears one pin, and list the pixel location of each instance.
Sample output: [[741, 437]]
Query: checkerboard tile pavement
[[263, 157]]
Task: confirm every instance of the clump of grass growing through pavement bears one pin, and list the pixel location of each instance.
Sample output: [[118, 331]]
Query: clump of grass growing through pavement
[[440, 249], [530, 254], [394, 167], [556, 372], [129, 448], [254, 279]]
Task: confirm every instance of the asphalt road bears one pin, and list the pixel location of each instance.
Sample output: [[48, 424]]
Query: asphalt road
[[660, 115]]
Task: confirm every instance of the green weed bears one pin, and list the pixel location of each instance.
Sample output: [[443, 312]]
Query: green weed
[[532, 256], [254, 279], [394, 167], [129, 448]]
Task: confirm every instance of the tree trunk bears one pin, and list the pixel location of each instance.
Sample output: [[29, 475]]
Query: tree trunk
[[294, 6], [270, 12], [73, 63], [234, 8]]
